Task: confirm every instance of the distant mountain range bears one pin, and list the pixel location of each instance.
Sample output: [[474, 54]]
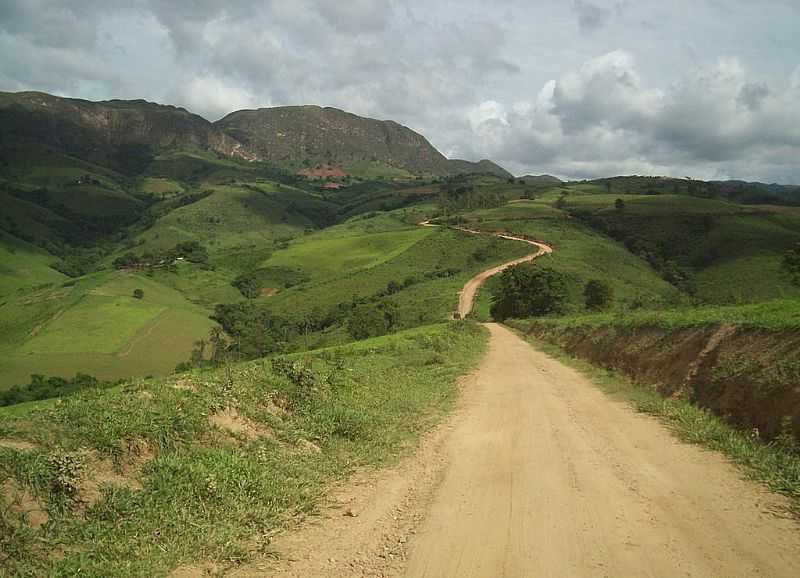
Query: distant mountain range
[[124, 134]]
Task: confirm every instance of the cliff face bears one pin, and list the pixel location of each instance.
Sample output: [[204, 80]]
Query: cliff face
[[102, 132], [315, 134], [329, 135]]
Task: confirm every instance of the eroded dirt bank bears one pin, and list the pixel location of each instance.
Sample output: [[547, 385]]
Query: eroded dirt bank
[[750, 376]]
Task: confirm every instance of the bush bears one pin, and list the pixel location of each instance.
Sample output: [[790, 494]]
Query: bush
[[138, 294], [791, 264], [598, 295], [248, 284], [41, 387], [371, 320], [527, 290]]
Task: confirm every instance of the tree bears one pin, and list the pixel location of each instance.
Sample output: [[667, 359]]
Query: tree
[[192, 251], [791, 264], [393, 287], [372, 320], [248, 284], [125, 261], [619, 204], [598, 295], [138, 294], [527, 290]]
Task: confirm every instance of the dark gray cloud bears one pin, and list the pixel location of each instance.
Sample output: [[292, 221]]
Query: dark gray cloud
[[591, 17], [583, 88]]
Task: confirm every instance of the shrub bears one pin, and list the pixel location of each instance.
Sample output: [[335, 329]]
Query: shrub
[[598, 295], [791, 264], [138, 294]]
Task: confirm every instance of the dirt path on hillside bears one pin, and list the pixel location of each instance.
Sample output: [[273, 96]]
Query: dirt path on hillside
[[466, 298], [538, 473]]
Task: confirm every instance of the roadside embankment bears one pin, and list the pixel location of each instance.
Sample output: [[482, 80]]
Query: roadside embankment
[[748, 375]]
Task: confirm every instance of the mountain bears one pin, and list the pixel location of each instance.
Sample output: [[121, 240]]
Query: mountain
[[119, 134], [540, 180], [314, 135], [126, 135], [456, 166]]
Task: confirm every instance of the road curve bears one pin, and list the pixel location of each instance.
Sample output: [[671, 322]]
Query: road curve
[[466, 297]]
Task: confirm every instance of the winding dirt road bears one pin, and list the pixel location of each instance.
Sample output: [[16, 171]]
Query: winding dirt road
[[538, 473], [466, 298]]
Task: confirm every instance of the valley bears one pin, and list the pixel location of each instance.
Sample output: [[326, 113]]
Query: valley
[[211, 334]]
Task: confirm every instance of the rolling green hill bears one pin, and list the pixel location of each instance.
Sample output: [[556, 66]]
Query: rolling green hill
[[23, 266], [710, 241], [95, 325]]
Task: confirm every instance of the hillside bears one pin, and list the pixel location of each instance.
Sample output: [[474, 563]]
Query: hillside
[[310, 135], [123, 135], [333, 353], [128, 135]]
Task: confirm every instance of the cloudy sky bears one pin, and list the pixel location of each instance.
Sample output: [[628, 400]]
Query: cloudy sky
[[575, 88]]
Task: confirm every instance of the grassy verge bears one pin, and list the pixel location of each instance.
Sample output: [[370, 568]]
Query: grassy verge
[[776, 314], [777, 464], [206, 465]]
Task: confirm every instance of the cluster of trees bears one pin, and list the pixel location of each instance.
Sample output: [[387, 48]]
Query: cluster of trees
[[41, 387], [528, 290], [665, 255], [457, 194], [250, 329], [192, 251]]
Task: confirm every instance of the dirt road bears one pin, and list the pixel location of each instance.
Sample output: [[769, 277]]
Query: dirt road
[[466, 297], [540, 474], [546, 476]]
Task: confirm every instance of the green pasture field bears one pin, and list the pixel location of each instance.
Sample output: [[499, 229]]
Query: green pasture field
[[23, 266], [333, 256], [96, 326]]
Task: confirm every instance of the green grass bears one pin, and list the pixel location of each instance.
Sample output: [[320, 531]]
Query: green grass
[[234, 216], [207, 495], [579, 252], [777, 314], [40, 167], [160, 187], [655, 205], [776, 465], [429, 299], [96, 326], [715, 240], [23, 266], [331, 256]]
